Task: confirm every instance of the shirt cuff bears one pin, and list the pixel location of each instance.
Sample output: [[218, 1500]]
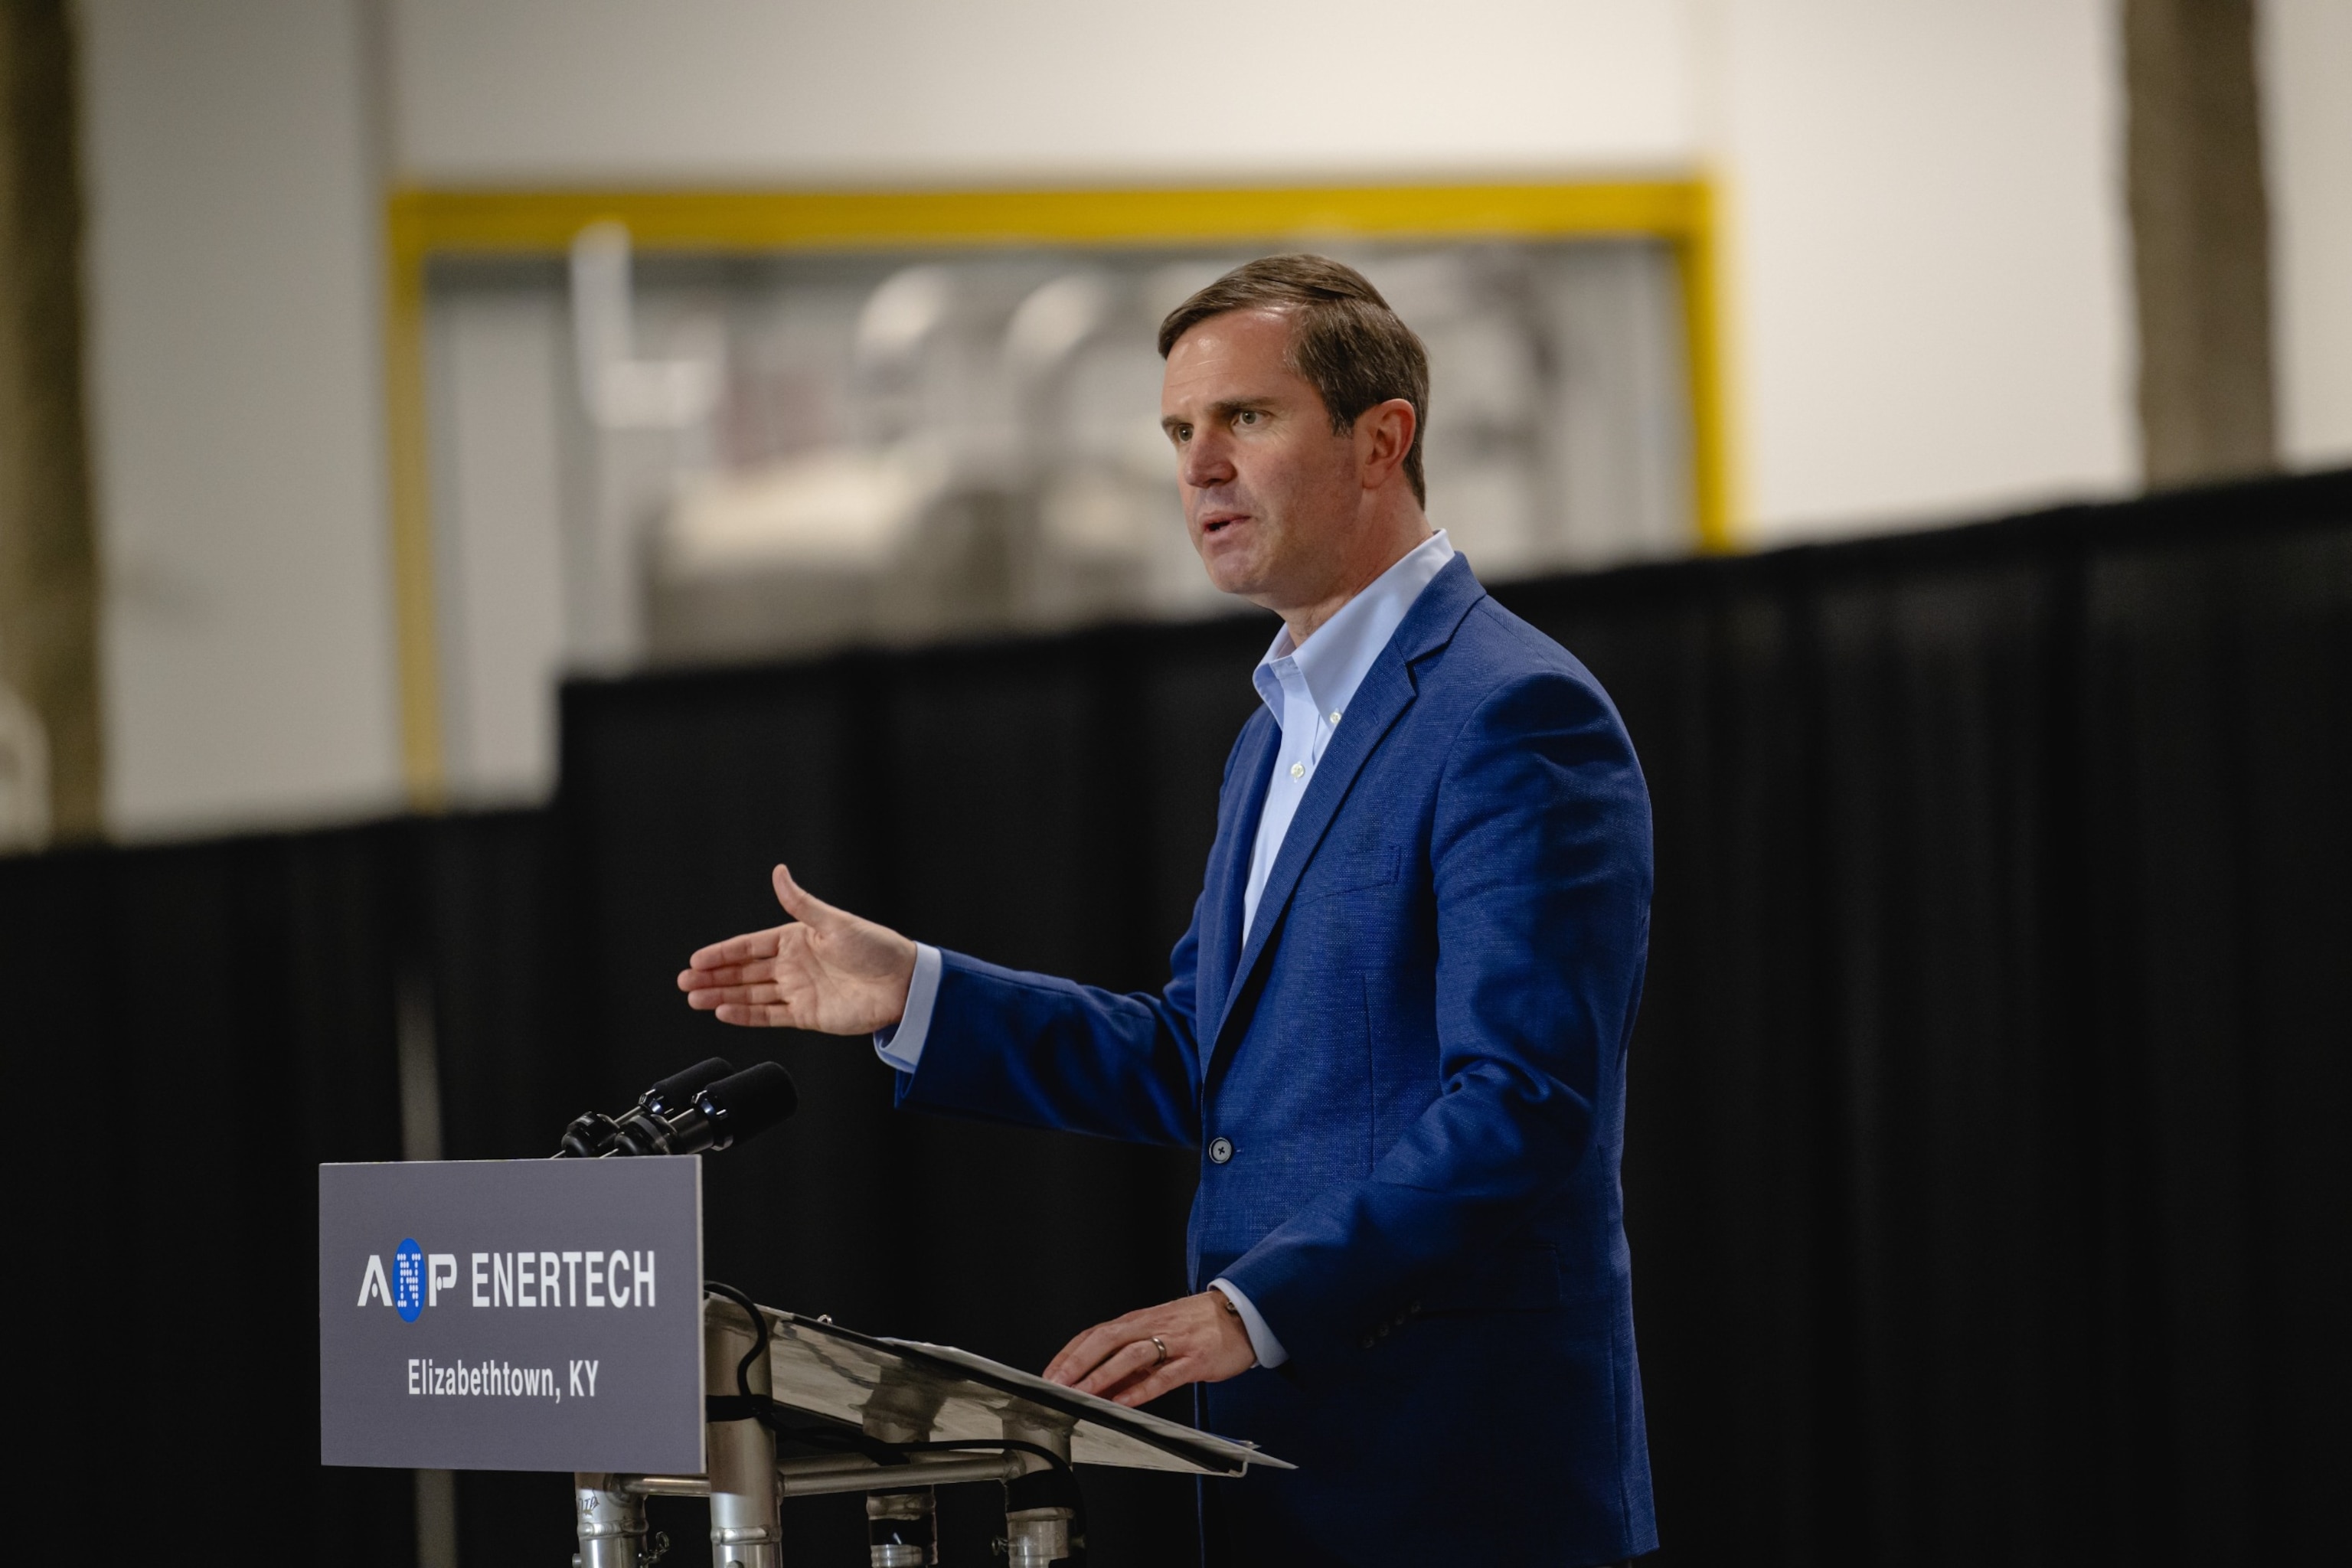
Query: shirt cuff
[[900, 1045], [1269, 1350]]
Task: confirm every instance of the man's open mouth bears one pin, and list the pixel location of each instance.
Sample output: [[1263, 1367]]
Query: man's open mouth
[[1217, 521]]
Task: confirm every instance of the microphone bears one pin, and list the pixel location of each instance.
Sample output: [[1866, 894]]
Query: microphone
[[592, 1136], [721, 1115], [677, 1090]]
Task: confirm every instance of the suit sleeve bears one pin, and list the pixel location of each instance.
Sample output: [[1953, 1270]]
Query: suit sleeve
[[1540, 868], [1037, 1051]]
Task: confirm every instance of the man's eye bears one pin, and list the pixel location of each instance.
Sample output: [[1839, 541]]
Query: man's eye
[[1246, 416]]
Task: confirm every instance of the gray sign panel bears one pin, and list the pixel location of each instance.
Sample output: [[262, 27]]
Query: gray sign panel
[[511, 1315]]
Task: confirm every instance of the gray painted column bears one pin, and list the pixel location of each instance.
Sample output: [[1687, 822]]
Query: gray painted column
[[2201, 239], [49, 567]]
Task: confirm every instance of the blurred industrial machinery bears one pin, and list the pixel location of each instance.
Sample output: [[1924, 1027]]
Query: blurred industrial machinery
[[723, 458]]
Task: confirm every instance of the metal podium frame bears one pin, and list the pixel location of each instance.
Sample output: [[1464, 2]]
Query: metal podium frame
[[900, 1418]]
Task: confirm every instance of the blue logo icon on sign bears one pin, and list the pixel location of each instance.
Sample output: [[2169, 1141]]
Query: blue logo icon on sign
[[408, 1281]]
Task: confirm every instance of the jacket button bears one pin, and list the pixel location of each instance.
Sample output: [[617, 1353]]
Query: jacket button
[[1220, 1150], [1365, 1341]]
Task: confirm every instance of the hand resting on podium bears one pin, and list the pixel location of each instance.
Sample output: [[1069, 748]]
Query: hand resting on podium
[[828, 971], [1122, 1359]]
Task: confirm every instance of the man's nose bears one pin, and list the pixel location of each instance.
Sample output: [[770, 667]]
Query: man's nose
[[1206, 462]]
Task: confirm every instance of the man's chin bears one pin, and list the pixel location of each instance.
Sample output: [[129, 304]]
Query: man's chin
[[1240, 584], [1235, 572]]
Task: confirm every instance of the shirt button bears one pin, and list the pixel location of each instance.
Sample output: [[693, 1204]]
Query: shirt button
[[1220, 1150], [1298, 770], [1334, 715]]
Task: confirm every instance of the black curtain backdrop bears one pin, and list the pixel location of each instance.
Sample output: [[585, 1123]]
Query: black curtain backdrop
[[1985, 1178]]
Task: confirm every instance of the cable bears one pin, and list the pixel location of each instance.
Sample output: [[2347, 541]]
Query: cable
[[1055, 1487], [759, 1330], [749, 1407]]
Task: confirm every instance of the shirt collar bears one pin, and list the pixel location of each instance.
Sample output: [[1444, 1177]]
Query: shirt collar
[[1336, 657]]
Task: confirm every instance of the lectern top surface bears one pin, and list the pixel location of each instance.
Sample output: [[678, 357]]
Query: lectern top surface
[[903, 1391]]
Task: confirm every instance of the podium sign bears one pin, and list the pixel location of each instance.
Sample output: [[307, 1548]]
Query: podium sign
[[512, 1315]]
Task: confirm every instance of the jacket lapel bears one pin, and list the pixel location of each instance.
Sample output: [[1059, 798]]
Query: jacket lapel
[[1388, 690], [1220, 911]]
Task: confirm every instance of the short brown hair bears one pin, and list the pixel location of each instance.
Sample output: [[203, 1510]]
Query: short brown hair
[[1344, 340]]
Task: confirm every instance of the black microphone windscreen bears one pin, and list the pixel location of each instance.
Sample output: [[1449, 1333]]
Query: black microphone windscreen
[[752, 1100], [680, 1087]]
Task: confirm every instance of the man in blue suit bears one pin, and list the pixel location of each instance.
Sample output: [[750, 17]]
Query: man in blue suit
[[1397, 1028]]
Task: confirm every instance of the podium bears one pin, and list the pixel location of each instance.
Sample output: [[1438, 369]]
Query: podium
[[898, 1418], [552, 1315]]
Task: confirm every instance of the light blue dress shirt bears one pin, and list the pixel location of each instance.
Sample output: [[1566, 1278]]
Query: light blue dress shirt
[[1308, 687]]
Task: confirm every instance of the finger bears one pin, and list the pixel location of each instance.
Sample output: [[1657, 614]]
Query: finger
[[1177, 1372], [1086, 1353], [711, 996], [704, 998], [751, 1015], [1097, 1345], [741, 949], [1129, 1361], [801, 904], [749, 947], [729, 974], [1156, 1377]]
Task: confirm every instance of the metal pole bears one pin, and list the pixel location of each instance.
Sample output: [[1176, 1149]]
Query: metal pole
[[902, 1529], [611, 1522], [744, 1530], [1041, 1536], [901, 1523], [944, 1470], [825, 1475]]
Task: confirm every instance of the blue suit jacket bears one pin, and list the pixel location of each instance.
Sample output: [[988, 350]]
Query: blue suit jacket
[[1419, 1059]]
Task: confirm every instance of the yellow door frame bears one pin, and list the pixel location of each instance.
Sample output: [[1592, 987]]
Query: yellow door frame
[[422, 224]]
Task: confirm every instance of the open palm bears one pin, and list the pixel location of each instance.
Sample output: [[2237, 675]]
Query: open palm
[[825, 970]]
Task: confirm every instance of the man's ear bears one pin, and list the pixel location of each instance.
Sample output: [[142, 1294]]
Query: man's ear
[[1384, 434]]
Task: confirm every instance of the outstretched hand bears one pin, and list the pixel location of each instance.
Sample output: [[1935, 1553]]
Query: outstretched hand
[[1119, 1360], [825, 970]]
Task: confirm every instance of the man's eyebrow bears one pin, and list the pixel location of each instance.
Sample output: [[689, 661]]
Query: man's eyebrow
[[1224, 409]]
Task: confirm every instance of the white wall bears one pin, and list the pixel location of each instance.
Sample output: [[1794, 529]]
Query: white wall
[[498, 508], [231, 258], [1931, 309], [573, 91], [2306, 54]]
